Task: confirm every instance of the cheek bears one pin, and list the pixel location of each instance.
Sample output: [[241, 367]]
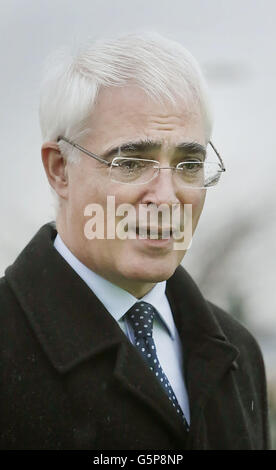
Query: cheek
[[196, 198], [199, 201], [197, 209]]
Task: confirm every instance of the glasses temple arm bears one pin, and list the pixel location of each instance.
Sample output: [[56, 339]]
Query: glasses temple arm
[[93, 155], [218, 155]]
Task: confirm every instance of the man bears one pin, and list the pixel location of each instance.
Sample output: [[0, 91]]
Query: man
[[106, 341]]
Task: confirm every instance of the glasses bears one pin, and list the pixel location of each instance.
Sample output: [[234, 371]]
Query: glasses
[[195, 171]]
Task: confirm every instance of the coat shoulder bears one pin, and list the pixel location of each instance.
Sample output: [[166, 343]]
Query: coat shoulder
[[250, 353], [14, 327], [250, 362], [236, 332], [7, 298]]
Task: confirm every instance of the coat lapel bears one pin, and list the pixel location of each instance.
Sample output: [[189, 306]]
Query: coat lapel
[[208, 354], [136, 377]]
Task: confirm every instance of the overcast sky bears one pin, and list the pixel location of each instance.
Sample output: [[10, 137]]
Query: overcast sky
[[234, 41]]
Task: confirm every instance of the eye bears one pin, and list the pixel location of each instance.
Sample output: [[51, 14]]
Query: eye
[[131, 165], [191, 165]]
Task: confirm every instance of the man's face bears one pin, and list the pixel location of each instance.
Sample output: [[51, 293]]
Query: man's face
[[124, 115]]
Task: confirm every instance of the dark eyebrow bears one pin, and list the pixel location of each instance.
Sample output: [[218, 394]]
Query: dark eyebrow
[[144, 146], [191, 148], [139, 146]]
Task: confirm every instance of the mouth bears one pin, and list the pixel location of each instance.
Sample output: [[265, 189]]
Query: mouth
[[154, 233]]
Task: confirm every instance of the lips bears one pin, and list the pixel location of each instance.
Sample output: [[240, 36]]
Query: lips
[[156, 232]]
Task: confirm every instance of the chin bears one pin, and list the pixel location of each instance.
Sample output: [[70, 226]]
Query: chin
[[150, 273]]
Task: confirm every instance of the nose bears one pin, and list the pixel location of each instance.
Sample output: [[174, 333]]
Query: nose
[[162, 189]]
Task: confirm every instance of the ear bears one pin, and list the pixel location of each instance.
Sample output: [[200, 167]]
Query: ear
[[55, 166]]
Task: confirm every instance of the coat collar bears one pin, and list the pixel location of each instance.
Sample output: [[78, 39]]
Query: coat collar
[[62, 310], [72, 325], [208, 354]]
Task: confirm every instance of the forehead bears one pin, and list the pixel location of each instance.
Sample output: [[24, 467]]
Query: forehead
[[127, 114]]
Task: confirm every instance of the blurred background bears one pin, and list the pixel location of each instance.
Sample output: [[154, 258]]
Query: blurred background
[[232, 257]]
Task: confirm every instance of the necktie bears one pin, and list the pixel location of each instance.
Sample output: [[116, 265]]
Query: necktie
[[141, 317]]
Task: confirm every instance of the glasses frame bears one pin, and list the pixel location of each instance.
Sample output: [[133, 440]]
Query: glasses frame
[[109, 164]]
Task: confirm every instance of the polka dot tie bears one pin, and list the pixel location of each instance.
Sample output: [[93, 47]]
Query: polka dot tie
[[141, 317]]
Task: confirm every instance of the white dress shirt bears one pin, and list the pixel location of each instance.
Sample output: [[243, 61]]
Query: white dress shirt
[[118, 301]]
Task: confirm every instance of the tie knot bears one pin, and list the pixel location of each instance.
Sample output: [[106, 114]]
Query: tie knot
[[141, 317]]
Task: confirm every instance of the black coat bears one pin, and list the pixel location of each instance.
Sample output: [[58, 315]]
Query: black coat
[[71, 379]]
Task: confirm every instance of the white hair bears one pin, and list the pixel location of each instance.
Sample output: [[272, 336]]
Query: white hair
[[163, 68]]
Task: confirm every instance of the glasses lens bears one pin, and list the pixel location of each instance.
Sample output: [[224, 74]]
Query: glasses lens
[[132, 170], [198, 174]]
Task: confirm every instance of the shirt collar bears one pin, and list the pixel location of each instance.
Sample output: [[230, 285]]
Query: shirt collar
[[116, 300]]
